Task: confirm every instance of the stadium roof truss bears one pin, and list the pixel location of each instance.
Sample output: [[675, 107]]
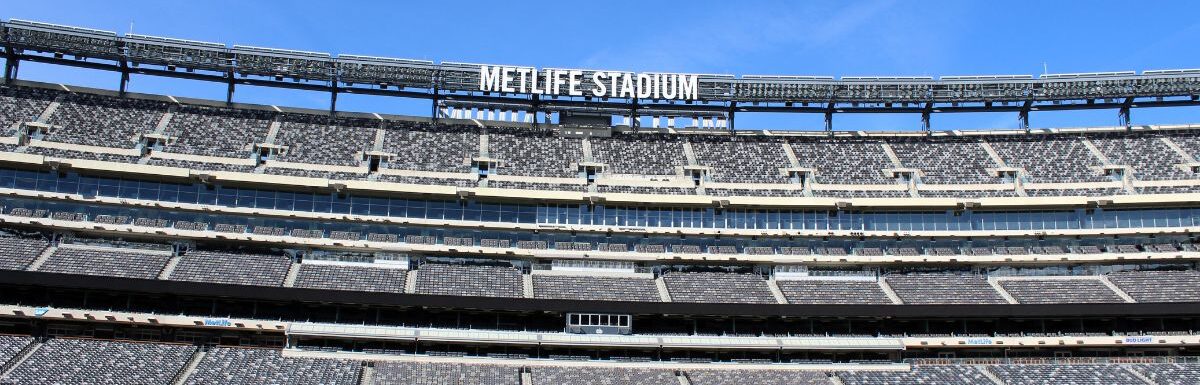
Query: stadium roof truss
[[459, 83]]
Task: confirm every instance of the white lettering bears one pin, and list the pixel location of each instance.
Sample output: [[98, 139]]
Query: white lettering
[[575, 77], [657, 86], [627, 85], [689, 87], [645, 85], [506, 79], [670, 91], [558, 82], [524, 78], [489, 78], [599, 90], [604, 84]]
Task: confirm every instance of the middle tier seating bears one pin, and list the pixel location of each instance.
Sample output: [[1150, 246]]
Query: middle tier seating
[[1084, 290], [353, 278], [469, 280], [717, 288], [832, 292], [943, 288], [16, 253], [232, 268], [595, 288], [1159, 286], [124, 263]]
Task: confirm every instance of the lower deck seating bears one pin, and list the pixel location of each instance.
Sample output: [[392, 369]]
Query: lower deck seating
[[232, 268], [1090, 374], [939, 375], [240, 366], [594, 288], [63, 361], [124, 263], [833, 292], [550, 375], [717, 288], [1171, 374], [746, 377], [469, 280], [354, 278], [11, 345], [443, 373]]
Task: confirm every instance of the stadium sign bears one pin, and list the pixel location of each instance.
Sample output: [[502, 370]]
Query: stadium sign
[[603, 84]]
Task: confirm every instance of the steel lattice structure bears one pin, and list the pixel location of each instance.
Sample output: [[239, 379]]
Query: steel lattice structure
[[458, 83]]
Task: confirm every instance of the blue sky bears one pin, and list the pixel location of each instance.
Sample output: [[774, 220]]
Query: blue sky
[[884, 37]]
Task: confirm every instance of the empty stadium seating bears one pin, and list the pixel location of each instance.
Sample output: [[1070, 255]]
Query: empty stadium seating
[[418, 146], [431, 373], [946, 160], [104, 121], [236, 366], [81, 362], [717, 288], [844, 161], [1159, 286], [124, 263], [1060, 291], [16, 253], [644, 154], [469, 280], [1038, 374], [832, 292], [324, 140], [931, 288], [22, 104], [534, 153], [606, 376], [1049, 159], [594, 288], [932, 374], [739, 377], [220, 132], [232, 268], [1170, 374], [353, 278], [746, 160], [10, 346]]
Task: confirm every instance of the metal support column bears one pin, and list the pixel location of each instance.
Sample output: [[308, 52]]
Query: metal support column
[[11, 64], [124, 77], [333, 93], [829, 119], [1123, 114], [229, 91], [1023, 116], [535, 106], [926, 114], [634, 122], [732, 111]]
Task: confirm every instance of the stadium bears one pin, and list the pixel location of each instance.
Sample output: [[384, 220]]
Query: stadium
[[562, 226]]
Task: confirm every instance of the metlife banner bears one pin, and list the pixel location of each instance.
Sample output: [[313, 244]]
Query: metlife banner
[[602, 84]]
